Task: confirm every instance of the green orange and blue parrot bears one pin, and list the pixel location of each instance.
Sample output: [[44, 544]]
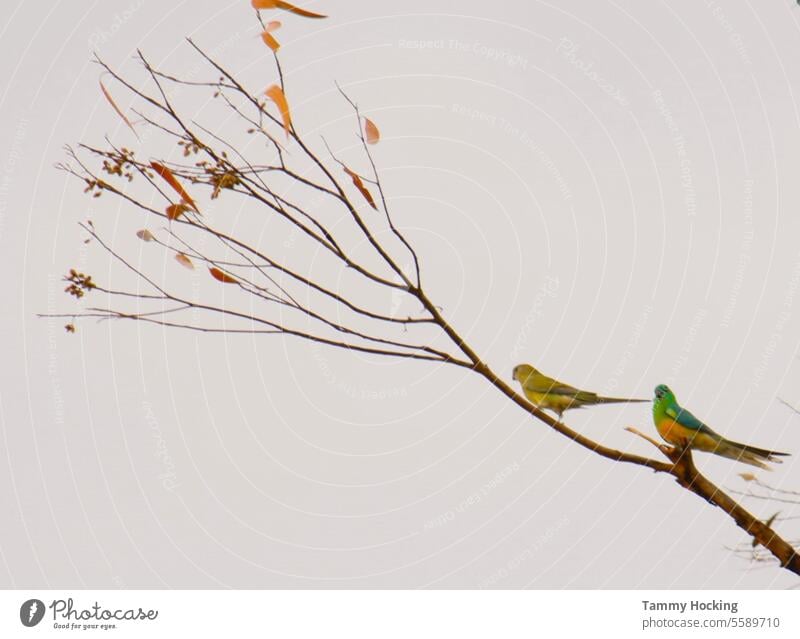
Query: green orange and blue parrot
[[679, 427]]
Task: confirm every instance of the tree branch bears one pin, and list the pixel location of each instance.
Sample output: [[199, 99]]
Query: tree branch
[[360, 324]]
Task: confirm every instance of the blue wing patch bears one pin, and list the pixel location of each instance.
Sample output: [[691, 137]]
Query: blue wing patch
[[686, 419]]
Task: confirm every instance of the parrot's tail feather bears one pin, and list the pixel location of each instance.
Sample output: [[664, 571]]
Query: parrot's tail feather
[[744, 457], [749, 454], [761, 452], [619, 400]]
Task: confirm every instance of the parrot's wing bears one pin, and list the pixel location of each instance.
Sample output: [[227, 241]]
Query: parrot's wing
[[685, 418], [548, 385]]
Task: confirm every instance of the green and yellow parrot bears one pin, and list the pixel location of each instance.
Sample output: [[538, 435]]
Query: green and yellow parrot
[[679, 427], [548, 393]]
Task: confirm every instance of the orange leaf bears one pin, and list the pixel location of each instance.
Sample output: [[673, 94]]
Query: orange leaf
[[174, 211], [275, 93], [145, 235], [274, 25], [165, 173], [271, 42], [359, 184], [117, 109], [279, 4], [222, 277], [373, 135], [184, 261]]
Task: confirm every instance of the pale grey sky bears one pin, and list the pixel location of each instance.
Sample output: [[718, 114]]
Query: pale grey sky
[[608, 191]]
